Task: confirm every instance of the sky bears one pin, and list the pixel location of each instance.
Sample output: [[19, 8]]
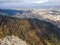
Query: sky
[[23, 3], [27, 1]]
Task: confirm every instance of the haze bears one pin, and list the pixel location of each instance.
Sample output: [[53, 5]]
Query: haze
[[28, 3]]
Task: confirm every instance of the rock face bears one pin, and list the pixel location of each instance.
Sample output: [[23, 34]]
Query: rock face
[[12, 40], [33, 31]]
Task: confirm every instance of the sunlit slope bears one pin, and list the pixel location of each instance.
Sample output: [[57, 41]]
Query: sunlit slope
[[33, 31]]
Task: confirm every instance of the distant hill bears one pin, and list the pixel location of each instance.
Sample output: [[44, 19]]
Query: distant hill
[[49, 15], [31, 30], [10, 12]]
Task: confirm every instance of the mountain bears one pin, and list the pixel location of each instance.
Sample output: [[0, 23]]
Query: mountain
[[31, 30], [10, 12]]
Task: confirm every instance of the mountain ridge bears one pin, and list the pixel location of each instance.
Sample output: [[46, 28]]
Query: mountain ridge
[[31, 30]]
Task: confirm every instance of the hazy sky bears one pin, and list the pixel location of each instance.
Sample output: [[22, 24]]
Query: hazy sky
[[23, 1], [10, 3], [27, 1]]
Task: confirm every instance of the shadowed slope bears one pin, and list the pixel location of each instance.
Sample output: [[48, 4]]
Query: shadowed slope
[[33, 31]]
